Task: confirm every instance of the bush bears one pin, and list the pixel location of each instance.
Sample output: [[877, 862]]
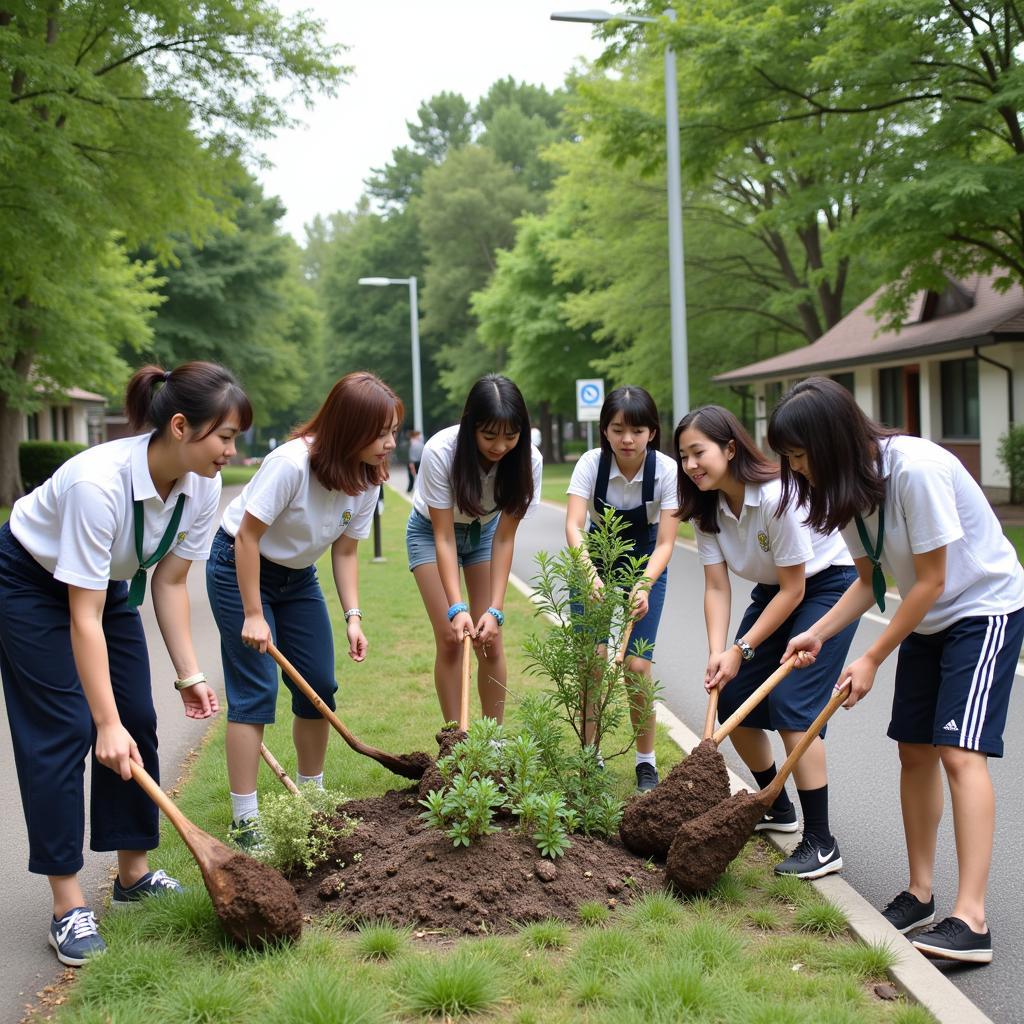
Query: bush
[[39, 460], [299, 831], [1011, 455]]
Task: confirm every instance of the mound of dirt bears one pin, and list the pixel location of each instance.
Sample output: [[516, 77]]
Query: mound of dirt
[[393, 868]]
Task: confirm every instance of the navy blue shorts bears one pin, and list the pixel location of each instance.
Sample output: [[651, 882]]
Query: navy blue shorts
[[795, 703], [953, 687]]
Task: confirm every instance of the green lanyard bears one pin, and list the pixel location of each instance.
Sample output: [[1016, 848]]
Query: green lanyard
[[137, 590], [874, 553]]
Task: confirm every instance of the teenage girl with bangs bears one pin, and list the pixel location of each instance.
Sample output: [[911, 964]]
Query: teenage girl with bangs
[[629, 475], [906, 505], [477, 481], [732, 495], [72, 648], [316, 491]]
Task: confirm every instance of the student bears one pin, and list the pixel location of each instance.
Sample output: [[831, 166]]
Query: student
[[314, 492], [906, 505], [415, 455], [477, 481], [731, 493], [629, 475], [72, 649]]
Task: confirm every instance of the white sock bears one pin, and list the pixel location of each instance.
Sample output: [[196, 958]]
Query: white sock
[[244, 806], [647, 759], [303, 779]]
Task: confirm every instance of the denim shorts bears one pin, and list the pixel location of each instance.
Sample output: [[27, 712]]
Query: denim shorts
[[419, 541]]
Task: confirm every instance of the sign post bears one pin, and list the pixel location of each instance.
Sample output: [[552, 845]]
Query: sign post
[[589, 399]]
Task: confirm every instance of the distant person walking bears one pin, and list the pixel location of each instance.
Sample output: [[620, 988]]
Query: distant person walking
[[415, 457]]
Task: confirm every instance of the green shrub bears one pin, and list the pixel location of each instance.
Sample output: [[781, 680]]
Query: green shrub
[[39, 460], [1011, 455], [298, 831]]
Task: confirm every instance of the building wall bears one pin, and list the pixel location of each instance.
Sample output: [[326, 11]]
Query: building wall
[[80, 416]]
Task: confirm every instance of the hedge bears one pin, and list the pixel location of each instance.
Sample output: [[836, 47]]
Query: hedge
[[39, 460]]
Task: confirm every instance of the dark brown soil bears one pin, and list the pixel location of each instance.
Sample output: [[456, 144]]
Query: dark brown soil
[[695, 785], [417, 764], [396, 870], [254, 903], [704, 847], [446, 741]]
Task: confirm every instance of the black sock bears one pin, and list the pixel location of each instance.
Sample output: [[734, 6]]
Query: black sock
[[782, 802], [814, 804]]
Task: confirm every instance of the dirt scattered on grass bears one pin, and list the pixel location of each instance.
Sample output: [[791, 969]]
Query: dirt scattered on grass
[[394, 869]]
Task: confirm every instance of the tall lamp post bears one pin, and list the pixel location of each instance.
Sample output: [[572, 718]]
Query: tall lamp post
[[414, 330], [676, 278]]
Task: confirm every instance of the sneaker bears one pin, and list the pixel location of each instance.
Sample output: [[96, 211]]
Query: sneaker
[[646, 777], [778, 821], [152, 883], [906, 911], [75, 937], [953, 939], [246, 834], [811, 859]]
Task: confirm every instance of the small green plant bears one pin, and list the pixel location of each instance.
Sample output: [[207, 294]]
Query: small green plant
[[824, 917], [546, 934], [299, 831], [862, 961], [1011, 455], [464, 811], [318, 994], [459, 984], [766, 919], [380, 940], [554, 823]]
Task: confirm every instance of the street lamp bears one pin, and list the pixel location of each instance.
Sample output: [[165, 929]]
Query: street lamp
[[676, 278], [414, 329]]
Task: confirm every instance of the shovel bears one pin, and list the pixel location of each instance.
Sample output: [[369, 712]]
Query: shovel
[[409, 766], [705, 846], [274, 765], [467, 654], [253, 902], [695, 785]]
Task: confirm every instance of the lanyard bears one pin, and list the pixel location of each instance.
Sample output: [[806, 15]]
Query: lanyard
[[874, 553], [137, 590]]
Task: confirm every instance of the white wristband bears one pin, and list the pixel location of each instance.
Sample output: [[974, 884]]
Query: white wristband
[[351, 612], [182, 684]]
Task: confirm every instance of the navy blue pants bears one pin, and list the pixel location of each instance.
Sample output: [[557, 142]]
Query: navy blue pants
[[51, 726]]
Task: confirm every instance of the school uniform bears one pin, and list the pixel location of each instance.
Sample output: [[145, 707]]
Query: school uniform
[[954, 673], [303, 520], [597, 478], [79, 529], [753, 546], [434, 488]]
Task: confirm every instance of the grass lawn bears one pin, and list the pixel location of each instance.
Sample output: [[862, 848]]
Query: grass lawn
[[5, 514], [757, 949], [237, 474]]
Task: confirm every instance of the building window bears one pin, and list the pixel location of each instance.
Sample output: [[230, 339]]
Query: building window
[[890, 396], [846, 379], [65, 415], [55, 424], [32, 424], [960, 399]]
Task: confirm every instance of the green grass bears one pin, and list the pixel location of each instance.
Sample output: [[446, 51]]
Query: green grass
[[656, 960], [1015, 534], [234, 475], [5, 514]]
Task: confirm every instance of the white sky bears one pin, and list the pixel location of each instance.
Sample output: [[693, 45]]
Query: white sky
[[402, 53]]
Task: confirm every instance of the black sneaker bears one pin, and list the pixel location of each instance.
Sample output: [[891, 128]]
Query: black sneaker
[[953, 939], [246, 835], [811, 859], [646, 777], [907, 912], [778, 821], [75, 937], [152, 883]]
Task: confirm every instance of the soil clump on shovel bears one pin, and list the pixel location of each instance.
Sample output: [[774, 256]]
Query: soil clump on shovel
[[447, 739]]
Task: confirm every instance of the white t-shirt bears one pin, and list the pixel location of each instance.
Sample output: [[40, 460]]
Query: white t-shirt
[[931, 501], [303, 517], [434, 487], [80, 524], [757, 543], [622, 493]]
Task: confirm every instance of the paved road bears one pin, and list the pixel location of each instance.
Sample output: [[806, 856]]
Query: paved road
[[864, 773]]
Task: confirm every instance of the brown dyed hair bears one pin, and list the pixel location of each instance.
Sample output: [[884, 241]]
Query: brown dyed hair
[[358, 408], [204, 393]]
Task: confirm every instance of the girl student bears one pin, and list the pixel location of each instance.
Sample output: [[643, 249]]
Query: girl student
[[72, 648], [629, 475], [732, 493], [316, 491], [477, 481], [905, 504]]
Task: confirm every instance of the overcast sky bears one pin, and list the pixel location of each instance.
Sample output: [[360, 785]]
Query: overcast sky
[[402, 53]]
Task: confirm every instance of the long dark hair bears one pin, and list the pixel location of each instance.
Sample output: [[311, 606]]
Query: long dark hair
[[638, 410], [204, 393], [494, 401], [749, 465], [358, 408], [820, 418]]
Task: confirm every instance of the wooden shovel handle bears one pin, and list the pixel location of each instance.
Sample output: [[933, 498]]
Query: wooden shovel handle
[[199, 842], [467, 658], [772, 790], [736, 718], [709, 718], [276, 768], [620, 654]]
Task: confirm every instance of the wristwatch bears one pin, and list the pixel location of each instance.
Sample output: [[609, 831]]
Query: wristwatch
[[746, 651]]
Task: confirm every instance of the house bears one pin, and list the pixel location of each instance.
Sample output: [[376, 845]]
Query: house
[[953, 374], [74, 415]]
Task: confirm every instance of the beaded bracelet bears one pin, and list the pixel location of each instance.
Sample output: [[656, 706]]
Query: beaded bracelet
[[184, 684], [499, 616], [459, 606], [351, 612]]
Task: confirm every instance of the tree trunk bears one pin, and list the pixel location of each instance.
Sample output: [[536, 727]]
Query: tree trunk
[[559, 453], [545, 431], [10, 436]]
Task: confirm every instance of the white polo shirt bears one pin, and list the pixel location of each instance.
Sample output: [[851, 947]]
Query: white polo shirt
[[303, 517], [758, 542], [434, 487], [80, 524], [931, 501], [622, 493]]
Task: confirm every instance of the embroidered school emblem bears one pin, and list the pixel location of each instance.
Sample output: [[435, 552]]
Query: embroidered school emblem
[[346, 517], [762, 539], [181, 536]]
